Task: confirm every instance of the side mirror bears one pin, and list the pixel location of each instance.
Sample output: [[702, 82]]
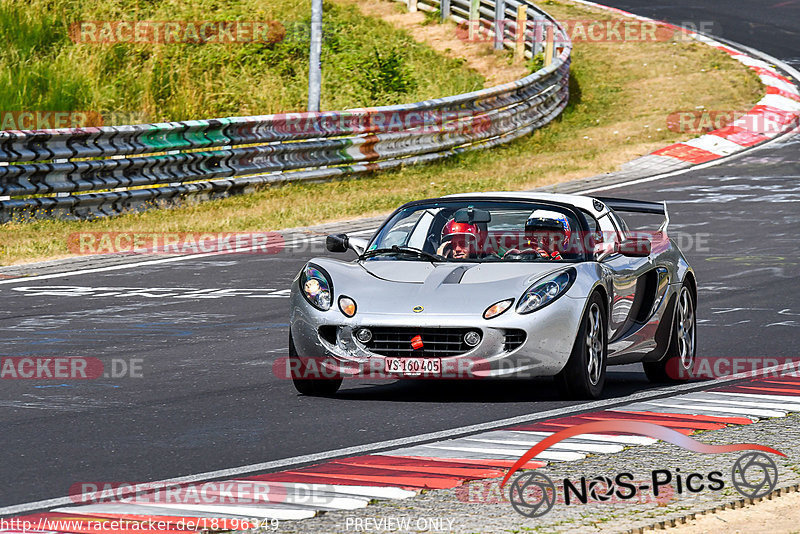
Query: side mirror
[[635, 247], [343, 243], [336, 243]]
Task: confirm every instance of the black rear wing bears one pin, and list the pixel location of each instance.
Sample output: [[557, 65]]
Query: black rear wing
[[638, 206]]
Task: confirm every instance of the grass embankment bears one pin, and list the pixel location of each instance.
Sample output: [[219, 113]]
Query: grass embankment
[[621, 95], [367, 62]]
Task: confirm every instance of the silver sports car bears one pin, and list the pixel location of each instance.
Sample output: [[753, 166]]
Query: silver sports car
[[497, 285]]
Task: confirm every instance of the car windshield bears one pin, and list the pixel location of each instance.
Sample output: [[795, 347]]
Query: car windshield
[[481, 231]]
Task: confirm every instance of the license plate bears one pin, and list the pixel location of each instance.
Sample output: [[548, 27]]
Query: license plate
[[413, 366]]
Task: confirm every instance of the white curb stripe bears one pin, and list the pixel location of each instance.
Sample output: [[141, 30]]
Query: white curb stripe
[[754, 403], [625, 440], [549, 455], [577, 447], [765, 396], [714, 143], [780, 102], [365, 492], [268, 512]]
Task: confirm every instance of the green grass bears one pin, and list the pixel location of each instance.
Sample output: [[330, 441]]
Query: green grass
[[366, 62]]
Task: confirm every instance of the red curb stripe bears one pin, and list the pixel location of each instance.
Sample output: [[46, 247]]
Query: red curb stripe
[[761, 389], [689, 153], [687, 421], [730, 51], [781, 116], [723, 419], [555, 427], [502, 464], [416, 480], [772, 90]]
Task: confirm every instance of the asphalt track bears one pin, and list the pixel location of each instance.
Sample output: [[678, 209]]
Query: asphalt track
[[205, 398]]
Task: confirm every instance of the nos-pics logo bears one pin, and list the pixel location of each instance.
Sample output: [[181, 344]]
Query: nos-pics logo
[[533, 494]]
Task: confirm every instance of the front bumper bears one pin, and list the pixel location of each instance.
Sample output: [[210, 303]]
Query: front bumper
[[549, 337]]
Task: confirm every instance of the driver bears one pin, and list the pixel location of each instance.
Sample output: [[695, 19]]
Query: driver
[[547, 233], [459, 240]]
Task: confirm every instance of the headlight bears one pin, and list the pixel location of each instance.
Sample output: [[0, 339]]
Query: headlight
[[545, 291], [497, 308], [316, 287]]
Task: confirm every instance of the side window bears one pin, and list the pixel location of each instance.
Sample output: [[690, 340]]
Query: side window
[[620, 224]]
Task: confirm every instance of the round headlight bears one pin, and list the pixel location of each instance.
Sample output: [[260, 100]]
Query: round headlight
[[316, 287], [364, 335], [545, 291], [347, 305], [472, 338]]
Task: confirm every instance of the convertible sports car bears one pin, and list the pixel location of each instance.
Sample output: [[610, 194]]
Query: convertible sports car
[[497, 285]]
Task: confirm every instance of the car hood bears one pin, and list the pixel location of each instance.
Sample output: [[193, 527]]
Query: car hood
[[392, 287]]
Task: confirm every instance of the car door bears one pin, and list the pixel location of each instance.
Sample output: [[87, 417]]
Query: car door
[[627, 274]]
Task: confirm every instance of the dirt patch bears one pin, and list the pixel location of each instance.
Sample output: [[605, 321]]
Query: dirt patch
[[496, 67], [777, 516]]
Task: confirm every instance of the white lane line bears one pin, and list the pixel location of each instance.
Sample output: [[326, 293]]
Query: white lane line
[[453, 455], [721, 410], [622, 402], [625, 440]]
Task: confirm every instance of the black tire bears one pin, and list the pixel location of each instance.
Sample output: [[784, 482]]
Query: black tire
[[313, 387], [678, 362], [585, 373]]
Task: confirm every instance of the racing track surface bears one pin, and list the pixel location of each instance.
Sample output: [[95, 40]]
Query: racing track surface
[[207, 398]]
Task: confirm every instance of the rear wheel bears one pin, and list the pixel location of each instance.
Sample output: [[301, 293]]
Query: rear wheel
[[585, 373], [678, 362], [313, 387]]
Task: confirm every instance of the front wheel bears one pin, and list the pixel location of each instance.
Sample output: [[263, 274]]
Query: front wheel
[[585, 373], [313, 387], [678, 363]]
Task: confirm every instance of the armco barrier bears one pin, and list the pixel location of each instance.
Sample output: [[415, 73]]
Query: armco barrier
[[86, 173]]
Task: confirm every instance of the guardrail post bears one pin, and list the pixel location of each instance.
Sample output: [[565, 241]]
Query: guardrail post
[[538, 34], [314, 66], [412, 6], [522, 26], [499, 23], [474, 19], [548, 46], [445, 10]]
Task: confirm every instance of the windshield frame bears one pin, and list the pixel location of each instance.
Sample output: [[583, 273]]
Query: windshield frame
[[574, 212]]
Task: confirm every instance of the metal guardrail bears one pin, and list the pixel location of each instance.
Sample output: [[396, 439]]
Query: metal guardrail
[[102, 171]]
